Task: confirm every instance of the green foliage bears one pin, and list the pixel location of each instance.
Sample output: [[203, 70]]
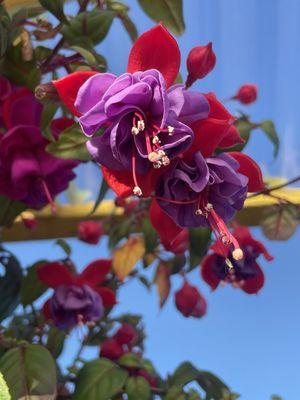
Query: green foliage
[[5, 27], [88, 28], [130, 360], [10, 283], [269, 129], [200, 239], [64, 246], [101, 194], [56, 7], [167, 11], [29, 371], [71, 144], [99, 380], [32, 288], [55, 341], [137, 388]]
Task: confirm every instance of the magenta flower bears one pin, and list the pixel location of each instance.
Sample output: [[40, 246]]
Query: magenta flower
[[28, 173]]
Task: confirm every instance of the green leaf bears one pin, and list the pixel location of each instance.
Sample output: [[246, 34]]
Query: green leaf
[[49, 110], [269, 128], [167, 11], [88, 27], [99, 380], [280, 222], [130, 360], [87, 55], [102, 192], [215, 389], [200, 239], [55, 341], [9, 210], [193, 395], [29, 372], [4, 393], [32, 288], [10, 283], [64, 246], [150, 235], [244, 126], [71, 144], [5, 26], [137, 388], [56, 7], [175, 393], [185, 373]]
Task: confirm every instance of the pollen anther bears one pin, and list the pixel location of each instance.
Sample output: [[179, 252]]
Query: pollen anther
[[170, 130], [134, 130], [141, 125], [237, 254], [137, 191]]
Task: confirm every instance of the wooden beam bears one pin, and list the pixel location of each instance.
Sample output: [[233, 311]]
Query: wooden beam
[[64, 223]]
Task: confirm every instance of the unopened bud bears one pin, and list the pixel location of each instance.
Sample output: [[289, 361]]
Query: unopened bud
[[246, 94], [201, 60], [46, 91]]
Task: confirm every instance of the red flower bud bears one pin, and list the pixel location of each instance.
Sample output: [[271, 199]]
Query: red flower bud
[[149, 378], [90, 231], [30, 222], [126, 335], [201, 60], [190, 302], [111, 349], [246, 94]]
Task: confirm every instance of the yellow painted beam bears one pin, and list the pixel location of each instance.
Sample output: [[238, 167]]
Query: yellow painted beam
[[64, 223]]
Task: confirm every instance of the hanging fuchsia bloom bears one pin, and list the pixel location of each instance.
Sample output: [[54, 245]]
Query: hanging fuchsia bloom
[[146, 121], [77, 299], [190, 302], [90, 231], [221, 267], [200, 62], [28, 173]]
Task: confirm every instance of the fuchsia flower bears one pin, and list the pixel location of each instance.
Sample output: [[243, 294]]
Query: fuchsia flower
[[190, 302], [245, 273], [120, 343], [77, 298], [160, 140], [28, 173], [246, 94]]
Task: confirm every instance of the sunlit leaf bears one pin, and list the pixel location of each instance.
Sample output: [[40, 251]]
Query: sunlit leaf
[[162, 281], [280, 222], [269, 128], [127, 255], [4, 392], [32, 288], [137, 388]]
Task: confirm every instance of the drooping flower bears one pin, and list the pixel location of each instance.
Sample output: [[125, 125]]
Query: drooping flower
[[190, 302], [90, 231], [246, 94], [77, 299], [146, 121], [111, 349], [28, 173], [201, 61], [126, 335], [120, 343], [220, 267]]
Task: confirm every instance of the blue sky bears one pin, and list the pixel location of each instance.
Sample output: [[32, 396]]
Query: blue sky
[[252, 342]]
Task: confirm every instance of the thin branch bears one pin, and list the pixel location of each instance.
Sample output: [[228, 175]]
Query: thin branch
[[277, 187]]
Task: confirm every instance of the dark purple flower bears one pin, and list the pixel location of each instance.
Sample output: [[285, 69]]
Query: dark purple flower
[[72, 305], [192, 193], [144, 121], [29, 173], [5, 90]]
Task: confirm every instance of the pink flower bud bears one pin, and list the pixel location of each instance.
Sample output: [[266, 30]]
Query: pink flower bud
[[111, 349], [201, 60], [190, 302], [246, 94], [90, 231], [30, 222], [126, 335]]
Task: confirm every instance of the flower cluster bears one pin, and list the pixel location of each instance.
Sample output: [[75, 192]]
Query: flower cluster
[[28, 173], [77, 299], [154, 138]]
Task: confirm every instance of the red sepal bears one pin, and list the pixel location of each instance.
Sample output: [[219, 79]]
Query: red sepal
[[68, 86], [60, 124], [164, 225], [156, 49], [107, 295], [253, 285], [121, 182], [55, 274], [207, 272], [94, 273], [251, 169], [243, 235]]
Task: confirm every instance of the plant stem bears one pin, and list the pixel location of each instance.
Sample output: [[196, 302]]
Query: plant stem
[[277, 187]]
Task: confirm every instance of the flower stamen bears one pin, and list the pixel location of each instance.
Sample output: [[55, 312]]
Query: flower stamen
[[49, 197]]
